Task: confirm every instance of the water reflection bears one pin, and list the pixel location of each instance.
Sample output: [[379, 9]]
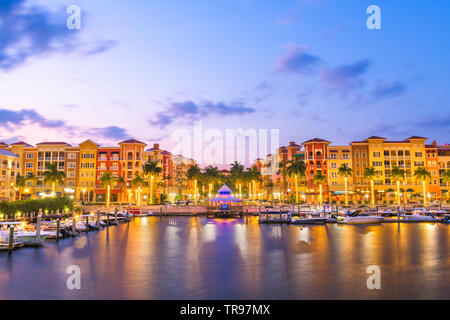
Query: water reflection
[[198, 258]]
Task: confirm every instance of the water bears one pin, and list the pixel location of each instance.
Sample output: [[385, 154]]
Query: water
[[197, 258]]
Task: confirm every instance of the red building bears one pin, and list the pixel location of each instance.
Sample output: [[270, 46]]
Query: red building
[[432, 165], [108, 160], [316, 151]]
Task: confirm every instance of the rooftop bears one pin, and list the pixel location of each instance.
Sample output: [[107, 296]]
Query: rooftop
[[21, 143], [130, 141], [316, 140], [7, 153], [53, 144]]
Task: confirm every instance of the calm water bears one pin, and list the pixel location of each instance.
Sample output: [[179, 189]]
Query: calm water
[[189, 258]]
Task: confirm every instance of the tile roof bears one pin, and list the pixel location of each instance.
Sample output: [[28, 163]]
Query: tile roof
[[21, 143], [53, 144], [7, 153], [316, 140], [132, 141], [375, 138], [416, 138]]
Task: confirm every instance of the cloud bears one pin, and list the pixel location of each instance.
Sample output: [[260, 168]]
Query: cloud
[[189, 110], [101, 47], [297, 61], [9, 117], [385, 89], [345, 78], [111, 132], [29, 124], [30, 30]]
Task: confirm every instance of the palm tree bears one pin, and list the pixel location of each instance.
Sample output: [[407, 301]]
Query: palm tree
[[53, 175], [297, 169], [237, 175], [398, 175], [346, 172], [138, 182], [20, 184], [446, 178], [252, 176], [370, 174], [107, 181], [122, 183], [152, 169], [423, 174], [194, 174], [283, 171], [212, 176], [320, 179]]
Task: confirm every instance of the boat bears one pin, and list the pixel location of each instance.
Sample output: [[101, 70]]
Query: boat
[[357, 217], [420, 216], [312, 220], [22, 234]]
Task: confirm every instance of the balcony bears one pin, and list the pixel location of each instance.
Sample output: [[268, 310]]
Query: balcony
[[103, 159]]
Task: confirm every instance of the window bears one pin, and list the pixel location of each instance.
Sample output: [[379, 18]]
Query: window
[[29, 165], [345, 156], [30, 156], [72, 156], [333, 165], [333, 156], [386, 153], [418, 154], [400, 152], [71, 165], [419, 163], [377, 163], [363, 154], [71, 184], [71, 175], [376, 154]]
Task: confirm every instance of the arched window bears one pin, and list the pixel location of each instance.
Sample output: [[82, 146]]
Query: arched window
[[138, 156], [130, 155]]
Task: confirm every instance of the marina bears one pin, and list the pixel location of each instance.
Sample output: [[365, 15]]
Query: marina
[[179, 257]]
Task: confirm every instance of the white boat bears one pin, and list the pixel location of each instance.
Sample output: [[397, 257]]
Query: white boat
[[359, 219], [22, 235], [419, 215], [313, 220]]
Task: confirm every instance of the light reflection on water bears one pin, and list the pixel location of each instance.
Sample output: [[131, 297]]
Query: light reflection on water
[[199, 258]]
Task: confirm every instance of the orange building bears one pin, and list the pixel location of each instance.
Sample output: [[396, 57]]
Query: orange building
[[316, 151]]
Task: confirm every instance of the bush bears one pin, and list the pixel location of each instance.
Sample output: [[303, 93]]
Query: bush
[[28, 206]]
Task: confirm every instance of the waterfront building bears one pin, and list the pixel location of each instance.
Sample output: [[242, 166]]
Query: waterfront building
[[316, 152], [9, 169], [87, 171], [108, 160], [181, 166], [338, 156], [132, 158], [432, 165], [444, 164]]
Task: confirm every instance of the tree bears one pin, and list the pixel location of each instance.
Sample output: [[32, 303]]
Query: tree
[[212, 175], [297, 169], [370, 174], [152, 169], [398, 175], [346, 172], [194, 174], [446, 178], [237, 175], [423, 174], [122, 183], [20, 184], [319, 179], [138, 182], [252, 176], [107, 181], [283, 171], [53, 176]]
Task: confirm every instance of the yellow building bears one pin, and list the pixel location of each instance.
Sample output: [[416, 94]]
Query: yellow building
[[87, 171], [9, 168], [337, 156], [408, 155]]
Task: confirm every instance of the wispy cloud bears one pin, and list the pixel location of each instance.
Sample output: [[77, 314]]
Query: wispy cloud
[[297, 61], [345, 77], [30, 124], [28, 30], [385, 89], [189, 110]]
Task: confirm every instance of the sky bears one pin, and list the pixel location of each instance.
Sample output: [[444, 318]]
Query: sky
[[144, 69]]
